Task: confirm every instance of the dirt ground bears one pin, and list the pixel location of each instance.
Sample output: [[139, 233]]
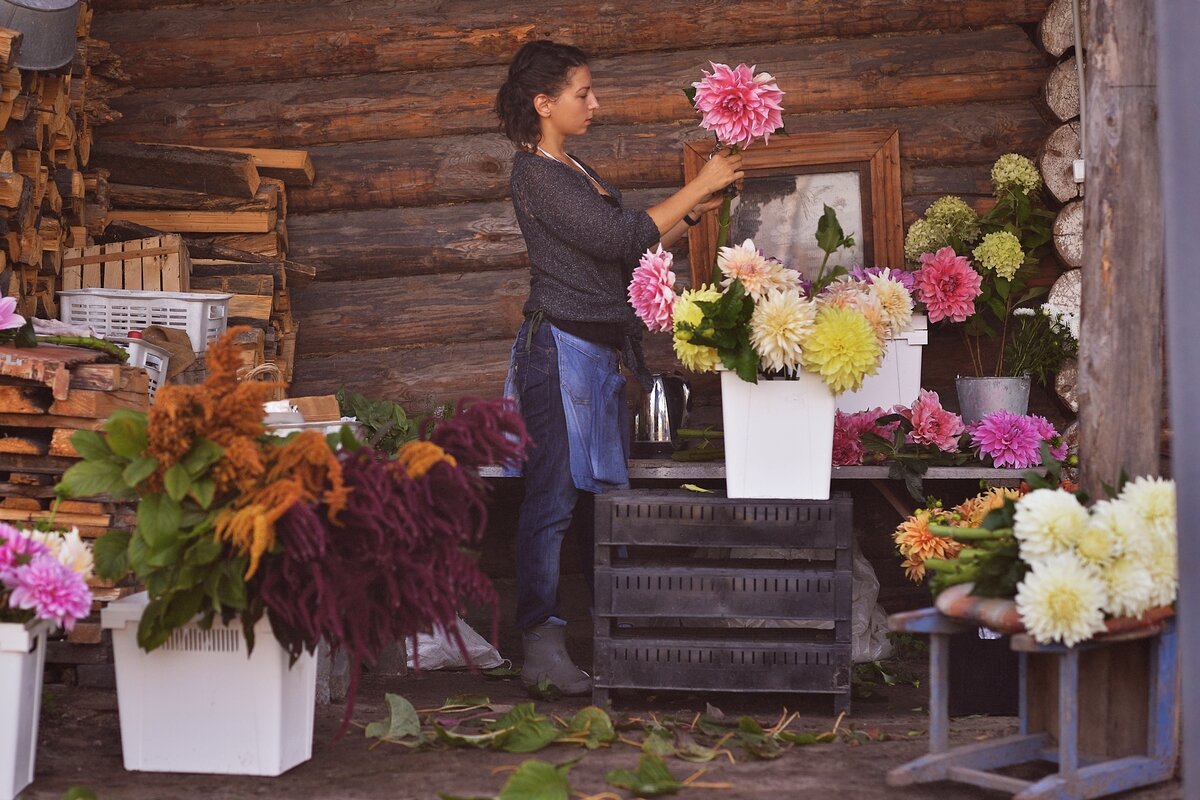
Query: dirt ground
[[80, 744]]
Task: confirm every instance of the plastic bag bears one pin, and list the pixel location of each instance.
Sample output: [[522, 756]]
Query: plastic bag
[[868, 622], [439, 651]]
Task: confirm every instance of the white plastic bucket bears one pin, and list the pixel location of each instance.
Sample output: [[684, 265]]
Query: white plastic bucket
[[199, 704], [898, 381], [778, 437], [22, 658]]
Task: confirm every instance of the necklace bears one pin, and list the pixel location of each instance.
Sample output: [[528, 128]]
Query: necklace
[[578, 166]]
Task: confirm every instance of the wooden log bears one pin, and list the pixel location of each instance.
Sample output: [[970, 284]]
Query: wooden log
[[1068, 234], [126, 196], [10, 46], [98, 404], [24, 399], [317, 40], [429, 171], [239, 284], [12, 189], [1056, 161], [49, 421], [108, 378], [1061, 91], [293, 167], [177, 167], [1121, 344], [200, 221], [886, 72], [1056, 31]]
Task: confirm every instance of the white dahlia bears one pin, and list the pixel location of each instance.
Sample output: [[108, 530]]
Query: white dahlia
[[1048, 521], [1130, 587], [757, 273], [894, 300], [779, 327], [1062, 599], [1154, 501]]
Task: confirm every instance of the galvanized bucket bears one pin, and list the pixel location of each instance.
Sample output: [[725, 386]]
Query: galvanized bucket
[[47, 28], [978, 397]]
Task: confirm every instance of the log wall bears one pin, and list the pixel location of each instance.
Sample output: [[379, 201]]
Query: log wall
[[420, 266]]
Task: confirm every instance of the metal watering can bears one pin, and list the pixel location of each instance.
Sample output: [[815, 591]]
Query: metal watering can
[[662, 412]]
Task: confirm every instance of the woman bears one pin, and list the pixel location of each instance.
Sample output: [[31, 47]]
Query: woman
[[583, 244]]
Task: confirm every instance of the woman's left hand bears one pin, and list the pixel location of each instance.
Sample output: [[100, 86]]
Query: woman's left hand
[[711, 204]]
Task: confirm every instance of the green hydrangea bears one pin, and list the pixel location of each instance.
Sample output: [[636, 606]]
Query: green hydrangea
[[954, 218], [1012, 172], [1000, 251], [923, 237]]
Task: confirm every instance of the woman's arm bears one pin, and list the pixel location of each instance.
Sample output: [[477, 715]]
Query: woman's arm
[[720, 171], [676, 233]]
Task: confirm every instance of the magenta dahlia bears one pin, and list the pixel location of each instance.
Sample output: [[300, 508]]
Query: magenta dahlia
[[1009, 439], [52, 590]]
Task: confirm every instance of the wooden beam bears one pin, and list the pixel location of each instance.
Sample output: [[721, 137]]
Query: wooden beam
[[320, 39], [199, 221], [173, 167], [1121, 345], [1179, 119], [293, 167], [886, 72]]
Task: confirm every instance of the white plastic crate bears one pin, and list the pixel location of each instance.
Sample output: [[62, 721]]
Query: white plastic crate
[[200, 704], [898, 381], [115, 312], [22, 658], [150, 357]]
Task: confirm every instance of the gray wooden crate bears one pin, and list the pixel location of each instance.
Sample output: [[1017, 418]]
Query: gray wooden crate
[[680, 576]]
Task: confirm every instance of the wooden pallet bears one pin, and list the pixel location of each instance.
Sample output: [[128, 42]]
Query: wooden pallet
[[156, 263]]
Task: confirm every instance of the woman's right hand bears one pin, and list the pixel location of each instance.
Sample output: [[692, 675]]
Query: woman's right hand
[[720, 171]]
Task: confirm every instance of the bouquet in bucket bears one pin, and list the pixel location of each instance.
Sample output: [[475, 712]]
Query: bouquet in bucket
[[43, 576], [1072, 571], [330, 539]]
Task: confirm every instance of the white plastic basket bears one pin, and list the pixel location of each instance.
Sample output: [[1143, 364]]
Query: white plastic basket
[[150, 357], [22, 658], [200, 704], [115, 312], [898, 381]]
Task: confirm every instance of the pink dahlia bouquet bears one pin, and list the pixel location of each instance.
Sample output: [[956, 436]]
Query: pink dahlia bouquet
[[739, 107], [43, 576]]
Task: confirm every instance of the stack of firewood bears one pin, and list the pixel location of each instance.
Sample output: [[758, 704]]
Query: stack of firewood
[[46, 187]]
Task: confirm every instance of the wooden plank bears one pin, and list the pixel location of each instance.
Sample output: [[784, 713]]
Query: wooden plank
[[49, 421], [446, 169], [1121, 346], [60, 443], [177, 167], [238, 284], [922, 69], [127, 196], [108, 378], [29, 516], [199, 221], [219, 44], [24, 399], [35, 443], [114, 273], [91, 270], [133, 265], [173, 279], [49, 365], [98, 404], [293, 167]]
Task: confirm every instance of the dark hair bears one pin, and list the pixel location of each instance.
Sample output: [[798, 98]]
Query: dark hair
[[540, 67]]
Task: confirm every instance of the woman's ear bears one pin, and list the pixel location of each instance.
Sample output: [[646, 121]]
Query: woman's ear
[[542, 104]]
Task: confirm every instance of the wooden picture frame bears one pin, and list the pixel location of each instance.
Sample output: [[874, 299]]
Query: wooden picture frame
[[873, 154]]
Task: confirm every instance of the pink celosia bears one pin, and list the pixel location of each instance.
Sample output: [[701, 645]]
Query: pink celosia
[[1049, 433], [932, 424], [651, 292], [1009, 439], [52, 590], [8, 316], [947, 285], [739, 106], [16, 548]]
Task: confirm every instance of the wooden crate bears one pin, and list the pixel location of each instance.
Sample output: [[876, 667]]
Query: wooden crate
[[157, 263]]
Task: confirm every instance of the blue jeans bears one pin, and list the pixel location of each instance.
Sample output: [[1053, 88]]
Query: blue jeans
[[551, 493]]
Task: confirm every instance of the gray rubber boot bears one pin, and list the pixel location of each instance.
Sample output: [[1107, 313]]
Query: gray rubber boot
[[546, 657]]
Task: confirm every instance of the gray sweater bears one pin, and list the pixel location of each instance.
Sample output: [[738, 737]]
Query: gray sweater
[[583, 246]]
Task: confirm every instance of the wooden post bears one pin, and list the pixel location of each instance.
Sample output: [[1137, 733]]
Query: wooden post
[[1179, 119], [1121, 345]]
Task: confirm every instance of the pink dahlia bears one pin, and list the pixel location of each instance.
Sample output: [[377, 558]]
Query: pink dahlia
[[1009, 439], [933, 424], [848, 430], [16, 548], [739, 106], [52, 590], [1046, 429], [652, 290], [947, 285], [9, 318]]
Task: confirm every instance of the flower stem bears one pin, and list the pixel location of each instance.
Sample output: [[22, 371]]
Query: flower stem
[[1003, 335], [968, 534], [722, 238]]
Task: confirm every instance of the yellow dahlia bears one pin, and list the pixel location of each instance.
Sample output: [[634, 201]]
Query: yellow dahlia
[[916, 543], [1062, 599], [779, 327], [842, 348], [688, 316]]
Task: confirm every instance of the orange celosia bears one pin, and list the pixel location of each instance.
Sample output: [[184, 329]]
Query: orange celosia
[[917, 543], [974, 509], [418, 457]]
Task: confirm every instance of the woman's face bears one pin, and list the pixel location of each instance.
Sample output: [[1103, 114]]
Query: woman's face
[[571, 112]]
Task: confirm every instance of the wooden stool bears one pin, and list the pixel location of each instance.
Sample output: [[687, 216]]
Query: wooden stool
[[1077, 777]]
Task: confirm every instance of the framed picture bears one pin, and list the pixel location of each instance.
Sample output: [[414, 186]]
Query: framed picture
[[787, 185]]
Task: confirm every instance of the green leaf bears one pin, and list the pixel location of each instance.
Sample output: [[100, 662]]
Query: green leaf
[[140, 468], [829, 231], [111, 555], [164, 556], [690, 93], [177, 482], [401, 722], [530, 736], [79, 793], [183, 606], [204, 550], [460, 702], [538, 780], [90, 478], [749, 725], [202, 491], [90, 445], [202, 456], [158, 520], [659, 743], [231, 587], [126, 432], [595, 725], [465, 740], [651, 779], [792, 737]]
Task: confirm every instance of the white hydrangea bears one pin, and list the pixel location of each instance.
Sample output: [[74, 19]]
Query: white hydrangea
[[1048, 521]]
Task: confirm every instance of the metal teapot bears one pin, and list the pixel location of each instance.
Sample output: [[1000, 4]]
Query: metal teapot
[[662, 412]]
